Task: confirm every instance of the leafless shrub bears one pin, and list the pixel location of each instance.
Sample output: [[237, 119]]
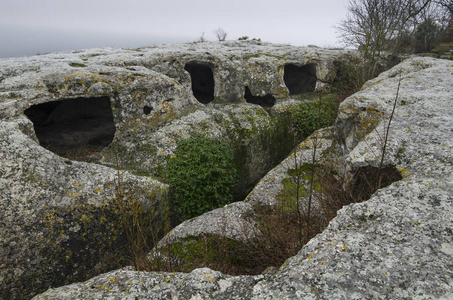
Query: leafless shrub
[[220, 34], [202, 38], [373, 26]]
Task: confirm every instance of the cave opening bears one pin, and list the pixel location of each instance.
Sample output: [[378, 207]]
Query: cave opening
[[77, 129], [264, 101], [300, 79], [202, 81]]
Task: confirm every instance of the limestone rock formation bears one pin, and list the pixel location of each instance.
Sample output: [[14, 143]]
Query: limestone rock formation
[[69, 120], [396, 245]]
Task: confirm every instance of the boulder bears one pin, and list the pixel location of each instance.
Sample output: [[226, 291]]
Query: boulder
[[42, 195], [201, 283], [396, 245], [267, 191]]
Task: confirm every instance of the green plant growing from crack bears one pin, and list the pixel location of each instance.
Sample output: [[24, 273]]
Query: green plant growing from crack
[[202, 175]]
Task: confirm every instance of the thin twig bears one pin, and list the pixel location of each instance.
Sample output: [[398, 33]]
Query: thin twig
[[384, 149]]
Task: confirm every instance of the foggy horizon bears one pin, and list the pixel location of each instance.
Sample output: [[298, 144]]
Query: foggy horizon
[[36, 27]]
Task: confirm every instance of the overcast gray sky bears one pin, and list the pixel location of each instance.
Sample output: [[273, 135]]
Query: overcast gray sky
[[29, 27]]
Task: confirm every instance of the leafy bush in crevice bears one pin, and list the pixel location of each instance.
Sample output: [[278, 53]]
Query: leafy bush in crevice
[[352, 71], [202, 175], [307, 117]]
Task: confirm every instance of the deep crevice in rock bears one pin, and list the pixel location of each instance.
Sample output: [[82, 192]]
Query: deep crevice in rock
[[365, 181], [300, 79], [74, 128], [202, 81], [264, 101]]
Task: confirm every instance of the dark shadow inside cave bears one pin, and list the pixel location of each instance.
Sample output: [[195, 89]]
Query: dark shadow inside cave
[[265, 101], [202, 81], [300, 79], [75, 128]]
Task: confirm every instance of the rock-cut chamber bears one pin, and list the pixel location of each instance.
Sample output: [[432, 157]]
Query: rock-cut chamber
[[73, 128], [202, 81], [264, 101], [300, 79]]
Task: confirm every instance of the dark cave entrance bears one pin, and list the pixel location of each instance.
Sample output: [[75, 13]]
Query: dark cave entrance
[[76, 128], [266, 101], [300, 79], [202, 81]]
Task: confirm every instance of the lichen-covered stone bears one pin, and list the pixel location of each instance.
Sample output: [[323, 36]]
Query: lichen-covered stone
[[34, 183], [396, 245], [233, 221], [266, 192], [126, 284]]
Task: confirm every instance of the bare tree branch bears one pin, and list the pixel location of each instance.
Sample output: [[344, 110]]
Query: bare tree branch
[[220, 34]]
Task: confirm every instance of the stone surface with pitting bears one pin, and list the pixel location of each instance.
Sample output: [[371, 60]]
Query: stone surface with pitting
[[396, 245]]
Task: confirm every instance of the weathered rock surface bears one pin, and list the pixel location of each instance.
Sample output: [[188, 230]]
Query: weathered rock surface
[[267, 190], [35, 184], [234, 221], [396, 245], [127, 108], [201, 283]]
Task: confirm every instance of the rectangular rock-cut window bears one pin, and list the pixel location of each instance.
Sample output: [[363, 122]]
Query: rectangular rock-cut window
[[202, 81], [74, 128], [300, 79]]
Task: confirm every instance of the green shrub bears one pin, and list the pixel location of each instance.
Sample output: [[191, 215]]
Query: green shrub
[[305, 118], [77, 65], [202, 175]]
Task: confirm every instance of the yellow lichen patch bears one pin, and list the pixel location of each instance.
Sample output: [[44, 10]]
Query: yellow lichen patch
[[367, 122], [404, 172], [112, 280]]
